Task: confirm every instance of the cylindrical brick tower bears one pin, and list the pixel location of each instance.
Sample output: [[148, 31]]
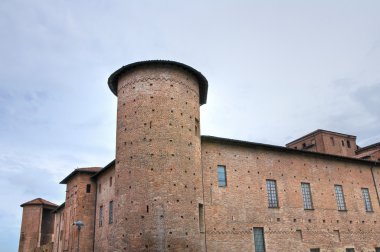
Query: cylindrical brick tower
[[159, 192]]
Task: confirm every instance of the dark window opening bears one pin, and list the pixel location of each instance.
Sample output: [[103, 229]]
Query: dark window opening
[[350, 250], [100, 216], [110, 181], [196, 127], [201, 218], [258, 238], [272, 193], [88, 188], [342, 142], [110, 212], [315, 250], [222, 178], [348, 144], [332, 141], [304, 145]]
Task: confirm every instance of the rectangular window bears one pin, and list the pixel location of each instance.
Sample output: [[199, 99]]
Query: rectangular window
[[111, 212], [340, 198], [377, 249], [100, 216], [201, 218], [315, 250], [348, 144], [110, 181], [272, 193], [350, 250], [222, 178], [306, 194], [342, 142], [367, 200], [196, 130], [88, 188], [332, 141], [258, 238]]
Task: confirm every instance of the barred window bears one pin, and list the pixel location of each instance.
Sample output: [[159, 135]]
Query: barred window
[[367, 200], [306, 194], [258, 238], [340, 198], [100, 216], [272, 193], [222, 178], [111, 212]]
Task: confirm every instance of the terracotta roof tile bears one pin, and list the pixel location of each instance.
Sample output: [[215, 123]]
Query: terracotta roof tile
[[39, 201], [89, 170]]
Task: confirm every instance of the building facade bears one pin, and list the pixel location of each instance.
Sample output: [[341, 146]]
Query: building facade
[[171, 189]]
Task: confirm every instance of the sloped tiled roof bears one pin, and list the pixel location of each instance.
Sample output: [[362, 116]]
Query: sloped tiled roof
[[59, 207], [318, 131], [111, 164], [375, 146], [212, 139], [88, 170], [39, 201]]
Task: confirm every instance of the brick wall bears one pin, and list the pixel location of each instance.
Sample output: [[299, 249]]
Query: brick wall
[[59, 230], [158, 165], [79, 205], [30, 228], [105, 194], [233, 211]]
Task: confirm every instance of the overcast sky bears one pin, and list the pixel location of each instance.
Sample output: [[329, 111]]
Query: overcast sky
[[276, 70]]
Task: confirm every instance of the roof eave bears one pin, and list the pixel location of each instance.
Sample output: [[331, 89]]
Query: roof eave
[[284, 149]]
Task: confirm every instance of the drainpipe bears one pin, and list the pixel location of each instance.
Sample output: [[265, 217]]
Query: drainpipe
[[374, 182]]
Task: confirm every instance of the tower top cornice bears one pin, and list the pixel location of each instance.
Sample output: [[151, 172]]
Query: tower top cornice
[[203, 84]]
